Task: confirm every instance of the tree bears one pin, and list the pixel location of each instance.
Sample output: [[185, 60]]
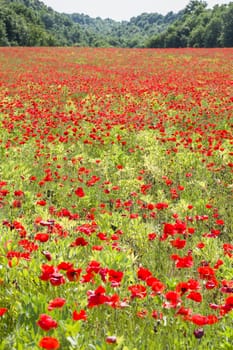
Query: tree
[[3, 35], [172, 38], [195, 7], [32, 23], [196, 38], [212, 33], [228, 27]]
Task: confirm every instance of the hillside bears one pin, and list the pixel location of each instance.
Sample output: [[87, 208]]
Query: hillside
[[132, 33], [199, 27], [32, 23]]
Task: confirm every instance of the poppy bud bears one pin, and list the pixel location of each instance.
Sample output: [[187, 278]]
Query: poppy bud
[[111, 339], [198, 333], [47, 255]]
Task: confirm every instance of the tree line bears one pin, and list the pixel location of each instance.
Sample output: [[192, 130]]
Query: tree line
[[32, 23]]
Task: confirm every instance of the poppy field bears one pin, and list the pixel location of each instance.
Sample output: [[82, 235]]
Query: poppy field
[[116, 199]]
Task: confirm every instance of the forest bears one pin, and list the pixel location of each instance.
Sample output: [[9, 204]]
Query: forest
[[32, 23]]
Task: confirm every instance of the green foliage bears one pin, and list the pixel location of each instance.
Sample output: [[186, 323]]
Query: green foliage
[[228, 27], [32, 23], [198, 27], [132, 33]]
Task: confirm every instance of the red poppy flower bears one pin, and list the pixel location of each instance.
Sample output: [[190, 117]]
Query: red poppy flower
[[157, 315], [42, 237], [173, 298], [16, 203], [18, 193], [79, 192], [201, 320], [133, 216], [142, 313], [88, 277], [56, 279], [156, 285], [178, 243], [212, 319], [114, 301], [218, 264], [169, 229], [195, 296], [42, 203], [161, 206], [228, 306], [80, 241], [219, 222], [79, 315], [228, 249], [183, 262], [184, 311], [143, 273], [229, 301], [47, 272], [56, 303], [3, 310], [193, 284], [182, 287], [150, 206], [205, 272], [97, 247], [96, 297], [73, 274], [180, 227], [137, 291], [93, 266], [49, 343], [197, 319], [200, 245], [46, 322], [65, 266], [115, 277], [211, 283]]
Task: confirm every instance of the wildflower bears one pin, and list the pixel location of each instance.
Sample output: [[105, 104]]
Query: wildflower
[[115, 277], [42, 237], [79, 192], [96, 297], [111, 339], [3, 310], [198, 333], [143, 273], [151, 236], [173, 299], [49, 343], [56, 303], [137, 291], [79, 315], [46, 322], [183, 262], [178, 243], [73, 274], [205, 272], [195, 296]]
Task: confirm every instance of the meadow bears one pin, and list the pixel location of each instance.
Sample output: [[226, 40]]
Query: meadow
[[116, 199]]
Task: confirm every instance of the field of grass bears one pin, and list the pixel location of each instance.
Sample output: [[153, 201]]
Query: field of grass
[[116, 199]]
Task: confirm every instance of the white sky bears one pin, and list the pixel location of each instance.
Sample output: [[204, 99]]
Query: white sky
[[121, 9]]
